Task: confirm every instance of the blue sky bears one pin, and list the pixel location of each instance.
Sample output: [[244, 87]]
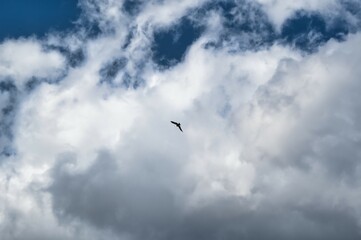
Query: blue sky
[[267, 92], [21, 18]]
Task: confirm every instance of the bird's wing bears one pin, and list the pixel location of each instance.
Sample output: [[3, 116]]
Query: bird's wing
[[180, 128], [173, 122]]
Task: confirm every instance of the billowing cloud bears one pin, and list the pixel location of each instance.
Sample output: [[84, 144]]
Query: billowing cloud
[[270, 148], [24, 59]]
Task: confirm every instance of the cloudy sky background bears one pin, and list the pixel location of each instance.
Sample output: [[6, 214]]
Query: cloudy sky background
[[268, 94]]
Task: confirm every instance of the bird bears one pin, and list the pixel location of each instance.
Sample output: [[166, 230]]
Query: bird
[[178, 125]]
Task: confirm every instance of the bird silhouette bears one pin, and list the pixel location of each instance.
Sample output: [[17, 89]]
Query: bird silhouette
[[178, 125]]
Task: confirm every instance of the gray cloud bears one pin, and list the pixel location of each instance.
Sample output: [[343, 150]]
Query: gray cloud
[[137, 204], [133, 202]]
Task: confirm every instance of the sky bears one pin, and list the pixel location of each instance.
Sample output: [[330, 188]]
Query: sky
[[267, 92]]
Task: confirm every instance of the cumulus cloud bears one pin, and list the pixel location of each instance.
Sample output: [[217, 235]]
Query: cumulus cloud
[[24, 59], [270, 147]]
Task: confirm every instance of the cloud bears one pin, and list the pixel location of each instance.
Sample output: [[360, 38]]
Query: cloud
[[270, 145], [24, 59], [8, 97], [279, 11]]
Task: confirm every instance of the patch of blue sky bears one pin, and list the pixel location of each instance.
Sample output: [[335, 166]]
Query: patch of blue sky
[[352, 6], [244, 25], [132, 7], [74, 57], [7, 115], [23, 18], [170, 45], [247, 27], [32, 83], [304, 30], [114, 74], [309, 30], [109, 72]]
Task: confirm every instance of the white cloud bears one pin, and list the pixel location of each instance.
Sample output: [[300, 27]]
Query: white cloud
[[270, 145], [24, 59], [278, 10], [165, 14]]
